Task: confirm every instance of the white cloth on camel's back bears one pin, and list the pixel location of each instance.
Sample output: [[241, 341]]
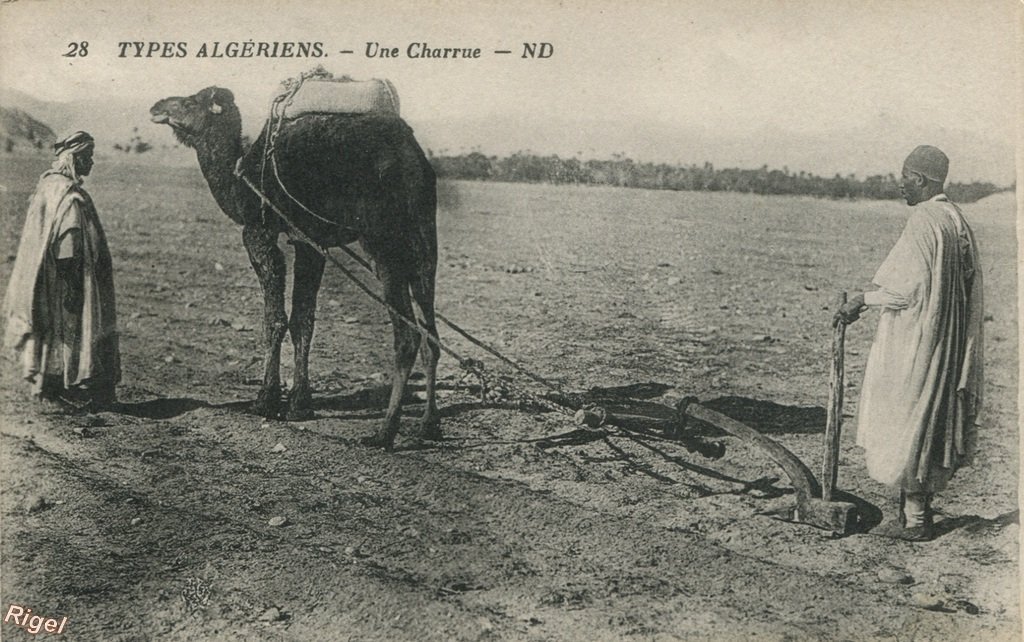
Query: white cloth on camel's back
[[329, 96]]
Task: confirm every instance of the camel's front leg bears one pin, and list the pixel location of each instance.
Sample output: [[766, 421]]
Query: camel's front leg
[[268, 262], [309, 269]]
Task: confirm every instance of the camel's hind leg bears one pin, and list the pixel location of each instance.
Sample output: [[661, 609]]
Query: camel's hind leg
[[268, 262], [423, 291], [309, 270], [396, 293]]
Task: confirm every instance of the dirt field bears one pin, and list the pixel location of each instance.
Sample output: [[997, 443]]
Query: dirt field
[[155, 521]]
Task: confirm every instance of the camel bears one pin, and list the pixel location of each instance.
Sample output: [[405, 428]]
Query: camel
[[364, 178]]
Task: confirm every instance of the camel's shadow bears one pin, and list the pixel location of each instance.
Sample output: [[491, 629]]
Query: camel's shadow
[[163, 408], [768, 417], [362, 403]]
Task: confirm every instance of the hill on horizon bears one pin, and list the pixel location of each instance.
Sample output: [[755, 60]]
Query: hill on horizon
[[111, 121], [20, 131]]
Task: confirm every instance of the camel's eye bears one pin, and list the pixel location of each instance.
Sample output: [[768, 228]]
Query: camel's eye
[[189, 103]]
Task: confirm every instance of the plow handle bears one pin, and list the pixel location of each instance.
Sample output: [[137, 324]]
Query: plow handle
[[834, 426]]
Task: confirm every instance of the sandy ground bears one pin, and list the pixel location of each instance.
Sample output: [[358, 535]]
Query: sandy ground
[[161, 520]]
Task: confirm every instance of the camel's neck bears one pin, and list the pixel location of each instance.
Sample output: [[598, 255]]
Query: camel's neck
[[217, 157]]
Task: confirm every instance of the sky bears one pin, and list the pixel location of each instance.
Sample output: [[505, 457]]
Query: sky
[[858, 81]]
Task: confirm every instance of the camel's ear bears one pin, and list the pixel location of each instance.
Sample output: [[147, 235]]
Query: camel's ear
[[217, 97]]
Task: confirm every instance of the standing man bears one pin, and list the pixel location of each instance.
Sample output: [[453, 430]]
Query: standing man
[[923, 382], [59, 305]]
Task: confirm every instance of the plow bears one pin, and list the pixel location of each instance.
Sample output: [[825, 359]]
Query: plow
[[816, 503]]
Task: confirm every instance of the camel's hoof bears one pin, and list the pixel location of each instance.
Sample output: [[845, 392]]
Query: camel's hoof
[[298, 414], [379, 440], [430, 430], [300, 405], [267, 406]]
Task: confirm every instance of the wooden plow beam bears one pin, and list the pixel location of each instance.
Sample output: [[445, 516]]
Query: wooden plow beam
[[811, 507]]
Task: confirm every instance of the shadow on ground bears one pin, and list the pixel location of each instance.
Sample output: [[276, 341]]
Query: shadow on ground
[[164, 408], [768, 417], [974, 524]]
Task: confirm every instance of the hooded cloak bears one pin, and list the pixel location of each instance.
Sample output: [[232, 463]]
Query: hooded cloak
[[81, 348]]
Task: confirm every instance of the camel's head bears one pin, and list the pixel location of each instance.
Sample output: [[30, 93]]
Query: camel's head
[[209, 113]]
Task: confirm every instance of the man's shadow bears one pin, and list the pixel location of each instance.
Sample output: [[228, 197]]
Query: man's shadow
[[975, 525]]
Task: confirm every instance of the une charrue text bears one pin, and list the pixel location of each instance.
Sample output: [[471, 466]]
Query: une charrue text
[[419, 50]]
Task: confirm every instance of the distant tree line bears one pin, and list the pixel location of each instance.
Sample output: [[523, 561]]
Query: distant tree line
[[624, 172], [136, 144]]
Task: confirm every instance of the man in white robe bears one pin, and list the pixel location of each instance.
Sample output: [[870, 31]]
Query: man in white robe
[[59, 306], [923, 382]]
